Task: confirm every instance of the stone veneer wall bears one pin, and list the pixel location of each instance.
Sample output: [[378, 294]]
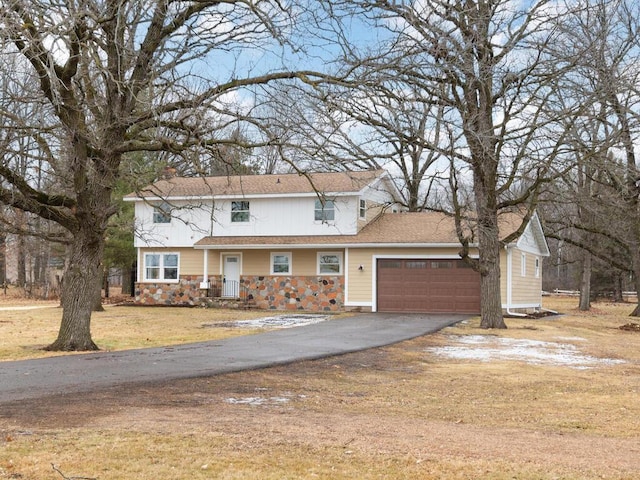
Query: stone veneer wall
[[310, 293], [184, 293]]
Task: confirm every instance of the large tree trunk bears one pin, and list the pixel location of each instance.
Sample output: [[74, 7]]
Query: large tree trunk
[[489, 246], [485, 174], [79, 285], [585, 283], [82, 277], [128, 280], [635, 262], [21, 279], [3, 258], [618, 297]]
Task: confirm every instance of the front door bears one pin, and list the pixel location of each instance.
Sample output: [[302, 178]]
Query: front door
[[231, 276]]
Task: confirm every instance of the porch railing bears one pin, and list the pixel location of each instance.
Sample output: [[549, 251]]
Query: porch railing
[[228, 289]]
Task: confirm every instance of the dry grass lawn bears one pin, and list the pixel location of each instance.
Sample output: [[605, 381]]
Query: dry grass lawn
[[25, 331], [551, 398]]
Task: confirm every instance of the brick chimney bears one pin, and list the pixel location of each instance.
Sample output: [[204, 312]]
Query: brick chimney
[[168, 173]]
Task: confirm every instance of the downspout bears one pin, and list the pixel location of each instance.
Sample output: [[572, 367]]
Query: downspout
[[509, 280]]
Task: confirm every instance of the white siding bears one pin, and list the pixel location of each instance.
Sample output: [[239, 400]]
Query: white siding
[[378, 193], [189, 224], [528, 242], [268, 217], [286, 216]]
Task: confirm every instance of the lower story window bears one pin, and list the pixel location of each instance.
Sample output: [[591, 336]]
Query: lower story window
[[330, 263], [161, 266], [280, 263]]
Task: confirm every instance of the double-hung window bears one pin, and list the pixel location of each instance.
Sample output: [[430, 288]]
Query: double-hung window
[[161, 267], [280, 263], [162, 213], [325, 211], [362, 210], [239, 211], [329, 263]]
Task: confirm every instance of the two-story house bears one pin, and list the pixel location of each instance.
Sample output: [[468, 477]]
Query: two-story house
[[317, 242]]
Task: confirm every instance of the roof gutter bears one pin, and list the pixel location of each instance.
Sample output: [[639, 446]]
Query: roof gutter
[[231, 196], [284, 246]]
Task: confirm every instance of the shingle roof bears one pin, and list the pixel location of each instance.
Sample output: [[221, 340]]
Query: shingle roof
[[415, 228], [238, 185]]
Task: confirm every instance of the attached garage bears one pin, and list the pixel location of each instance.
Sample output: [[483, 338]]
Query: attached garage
[[427, 286]]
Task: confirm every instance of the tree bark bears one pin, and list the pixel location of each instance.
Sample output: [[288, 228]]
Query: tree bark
[[127, 283], [618, 297], [585, 283], [635, 261], [80, 281], [489, 256], [21, 279]]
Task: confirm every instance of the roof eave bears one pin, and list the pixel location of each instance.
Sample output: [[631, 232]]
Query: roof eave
[[284, 246], [156, 198]]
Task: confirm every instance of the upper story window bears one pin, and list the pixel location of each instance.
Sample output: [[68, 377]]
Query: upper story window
[[362, 210], [325, 211], [280, 263], [162, 213], [240, 211], [161, 266]]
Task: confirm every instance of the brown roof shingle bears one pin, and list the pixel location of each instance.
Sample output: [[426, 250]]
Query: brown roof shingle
[[238, 185], [408, 228]]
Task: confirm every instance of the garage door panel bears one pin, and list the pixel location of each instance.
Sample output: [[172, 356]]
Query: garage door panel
[[417, 285]]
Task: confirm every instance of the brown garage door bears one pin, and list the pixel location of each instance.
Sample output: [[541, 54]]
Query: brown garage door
[[427, 286]]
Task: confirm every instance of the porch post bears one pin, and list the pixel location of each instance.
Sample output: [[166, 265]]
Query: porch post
[[205, 261]]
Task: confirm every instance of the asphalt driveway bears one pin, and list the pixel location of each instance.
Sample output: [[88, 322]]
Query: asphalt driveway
[[29, 379]]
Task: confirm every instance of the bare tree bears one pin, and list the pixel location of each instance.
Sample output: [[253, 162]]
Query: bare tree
[[123, 76], [484, 67], [365, 125], [602, 39]]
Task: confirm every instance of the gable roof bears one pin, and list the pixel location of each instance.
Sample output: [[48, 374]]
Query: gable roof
[[262, 185], [533, 239], [407, 229]]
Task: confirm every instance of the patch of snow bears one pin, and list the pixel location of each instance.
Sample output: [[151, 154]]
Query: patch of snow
[[260, 401], [279, 321], [257, 400], [486, 348]]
